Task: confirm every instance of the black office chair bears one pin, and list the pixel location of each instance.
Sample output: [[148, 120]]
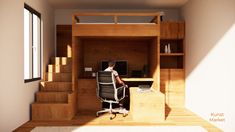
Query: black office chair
[[107, 92]]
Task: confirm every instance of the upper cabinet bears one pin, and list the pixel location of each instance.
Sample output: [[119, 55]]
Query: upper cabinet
[[172, 30]]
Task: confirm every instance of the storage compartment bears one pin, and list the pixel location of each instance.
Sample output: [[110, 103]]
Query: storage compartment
[[176, 46], [171, 62]]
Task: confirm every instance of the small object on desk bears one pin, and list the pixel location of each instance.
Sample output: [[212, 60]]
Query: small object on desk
[[144, 88]]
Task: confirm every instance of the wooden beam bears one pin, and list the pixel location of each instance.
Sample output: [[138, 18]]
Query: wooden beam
[[116, 14], [135, 30]]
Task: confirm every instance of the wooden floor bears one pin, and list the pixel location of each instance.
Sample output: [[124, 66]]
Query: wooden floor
[[175, 117]]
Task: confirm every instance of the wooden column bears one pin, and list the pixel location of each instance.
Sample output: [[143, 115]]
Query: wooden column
[[74, 71], [155, 63]]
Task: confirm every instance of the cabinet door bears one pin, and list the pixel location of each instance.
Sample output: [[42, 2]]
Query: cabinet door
[[181, 30], [169, 30], [164, 84], [176, 91], [172, 30], [164, 80]]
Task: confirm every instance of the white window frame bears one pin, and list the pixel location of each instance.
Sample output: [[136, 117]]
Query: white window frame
[[32, 45]]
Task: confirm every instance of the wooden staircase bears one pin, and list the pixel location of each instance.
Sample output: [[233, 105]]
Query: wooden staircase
[[55, 98]]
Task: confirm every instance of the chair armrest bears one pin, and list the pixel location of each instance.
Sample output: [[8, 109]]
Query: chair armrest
[[124, 86], [123, 90]]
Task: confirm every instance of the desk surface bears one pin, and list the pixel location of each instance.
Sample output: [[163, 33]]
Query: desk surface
[[137, 79]]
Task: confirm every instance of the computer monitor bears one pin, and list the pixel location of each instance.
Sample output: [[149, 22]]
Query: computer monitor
[[121, 67]]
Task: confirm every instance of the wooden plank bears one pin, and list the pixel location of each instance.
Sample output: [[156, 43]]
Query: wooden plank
[[171, 54], [87, 99], [58, 77], [63, 40], [181, 30], [137, 79], [52, 97], [116, 14], [132, 50], [115, 30], [154, 67], [61, 61], [60, 68], [56, 86], [176, 89], [51, 111], [169, 30]]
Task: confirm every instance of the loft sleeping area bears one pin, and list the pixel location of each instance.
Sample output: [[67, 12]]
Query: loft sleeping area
[[115, 18], [116, 24]]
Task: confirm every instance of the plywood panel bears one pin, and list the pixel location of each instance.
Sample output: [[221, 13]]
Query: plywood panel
[[63, 40], [134, 51], [173, 86], [177, 88], [154, 67], [87, 99], [164, 80], [181, 30], [136, 30], [169, 30], [172, 30]]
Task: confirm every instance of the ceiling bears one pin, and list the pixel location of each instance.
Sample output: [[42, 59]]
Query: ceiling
[[116, 4]]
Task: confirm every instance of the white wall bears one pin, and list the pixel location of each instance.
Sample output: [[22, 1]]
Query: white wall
[[64, 16], [210, 65], [15, 95]]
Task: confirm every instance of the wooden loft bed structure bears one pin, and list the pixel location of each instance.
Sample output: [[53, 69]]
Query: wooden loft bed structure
[[116, 30], [138, 43]]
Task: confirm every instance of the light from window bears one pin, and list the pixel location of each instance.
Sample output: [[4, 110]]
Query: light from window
[[36, 46], [32, 44]]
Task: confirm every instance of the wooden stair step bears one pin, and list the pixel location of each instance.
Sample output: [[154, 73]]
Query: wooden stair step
[[60, 68], [61, 61], [58, 77], [52, 97], [51, 111], [56, 86]]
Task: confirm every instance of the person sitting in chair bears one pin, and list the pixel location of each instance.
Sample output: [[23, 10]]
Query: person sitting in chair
[[110, 67]]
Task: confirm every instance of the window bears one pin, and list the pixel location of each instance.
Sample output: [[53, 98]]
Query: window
[[32, 44]]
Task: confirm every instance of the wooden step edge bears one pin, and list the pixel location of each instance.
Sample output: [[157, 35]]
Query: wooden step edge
[[51, 92], [54, 65], [55, 82], [50, 103]]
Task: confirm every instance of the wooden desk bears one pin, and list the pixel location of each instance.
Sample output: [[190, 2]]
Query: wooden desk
[[147, 106], [137, 79], [135, 82]]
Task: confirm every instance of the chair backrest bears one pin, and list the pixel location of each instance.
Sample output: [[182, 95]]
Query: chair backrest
[[105, 85]]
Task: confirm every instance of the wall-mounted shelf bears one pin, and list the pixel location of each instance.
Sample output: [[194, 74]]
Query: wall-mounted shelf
[[171, 54]]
